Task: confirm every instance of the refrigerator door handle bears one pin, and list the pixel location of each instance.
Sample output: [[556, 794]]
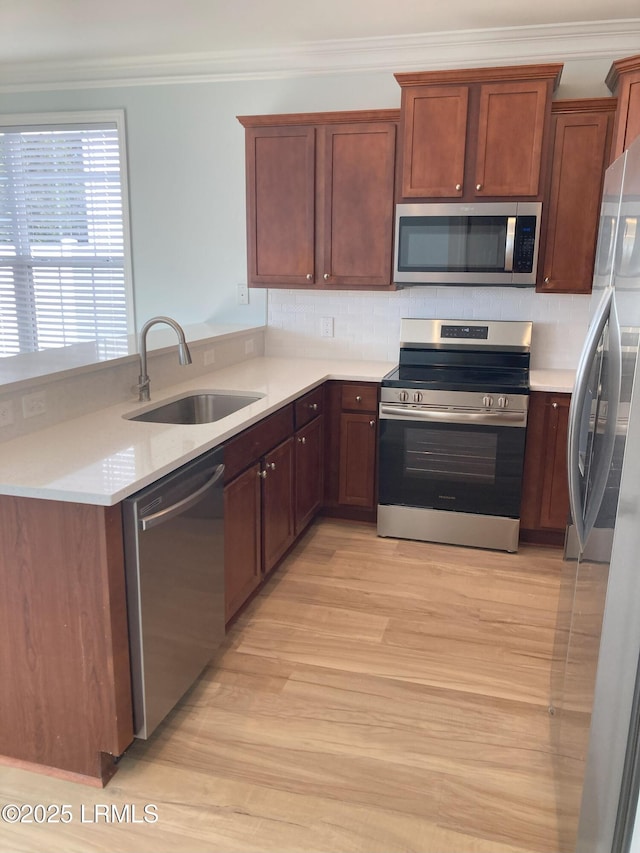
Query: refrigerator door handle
[[578, 398]]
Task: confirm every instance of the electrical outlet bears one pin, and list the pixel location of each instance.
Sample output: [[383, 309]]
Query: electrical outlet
[[209, 356], [6, 413], [34, 404], [243, 294], [248, 346], [326, 327]]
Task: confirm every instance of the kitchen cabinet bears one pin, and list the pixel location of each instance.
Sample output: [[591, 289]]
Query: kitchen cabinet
[[475, 133], [581, 131], [320, 191], [545, 492], [309, 457], [352, 450], [623, 81], [273, 490], [64, 650]]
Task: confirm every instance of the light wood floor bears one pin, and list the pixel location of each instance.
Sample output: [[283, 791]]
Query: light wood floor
[[378, 696]]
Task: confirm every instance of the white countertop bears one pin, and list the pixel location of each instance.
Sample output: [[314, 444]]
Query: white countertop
[[102, 457], [560, 381]]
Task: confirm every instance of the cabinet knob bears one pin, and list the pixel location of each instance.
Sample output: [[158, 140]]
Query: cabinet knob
[[262, 474], [458, 187], [309, 277], [326, 276], [478, 186], [358, 398], [554, 405], [313, 407], [271, 465], [372, 424], [302, 440], [547, 279]]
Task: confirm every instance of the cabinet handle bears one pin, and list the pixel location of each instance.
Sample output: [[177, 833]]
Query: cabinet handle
[[554, 405], [313, 407], [372, 423], [309, 277], [326, 276], [358, 399], [302, 440], [458, 187], [262, 474], [478, 186]]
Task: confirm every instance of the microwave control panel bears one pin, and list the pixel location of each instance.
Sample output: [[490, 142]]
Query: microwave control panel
[[525, 243]]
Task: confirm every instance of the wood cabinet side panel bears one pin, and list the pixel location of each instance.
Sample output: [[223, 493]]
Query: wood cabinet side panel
[[61, 606]]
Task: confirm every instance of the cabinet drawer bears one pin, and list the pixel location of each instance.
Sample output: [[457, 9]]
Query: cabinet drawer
[[309, 406], [250, 445], [359, 397]]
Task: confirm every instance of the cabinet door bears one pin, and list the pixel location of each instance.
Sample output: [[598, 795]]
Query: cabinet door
[[242, 539], [309, 463], [280, 163], [554, 506], [510, 134], [357, 459], [355, 187], [277, 504], [581, 142], [623, 80], [434, 141]]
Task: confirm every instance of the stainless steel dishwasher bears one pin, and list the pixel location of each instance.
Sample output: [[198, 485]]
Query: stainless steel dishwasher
[[174, 557]]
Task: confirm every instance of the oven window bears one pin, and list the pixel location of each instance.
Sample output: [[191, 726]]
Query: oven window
[[455, 456]]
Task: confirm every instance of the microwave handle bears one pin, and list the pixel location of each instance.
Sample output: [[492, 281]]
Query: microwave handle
[[510, 244]]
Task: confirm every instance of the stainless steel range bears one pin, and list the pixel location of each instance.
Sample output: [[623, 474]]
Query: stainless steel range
[[453, 418]]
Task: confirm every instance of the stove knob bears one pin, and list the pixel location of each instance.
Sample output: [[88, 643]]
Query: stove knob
[[487, 401], [403, 396], [417, 397], [503, 402]]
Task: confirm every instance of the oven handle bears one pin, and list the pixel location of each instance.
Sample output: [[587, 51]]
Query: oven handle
[[400, 413]]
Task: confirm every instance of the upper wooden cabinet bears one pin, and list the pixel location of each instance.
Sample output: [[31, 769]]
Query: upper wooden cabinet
[[582, 131], [320, 191], [623, 81], [475, 133]]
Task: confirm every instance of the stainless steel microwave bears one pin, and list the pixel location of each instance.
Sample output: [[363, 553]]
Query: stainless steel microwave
[[483, 243]]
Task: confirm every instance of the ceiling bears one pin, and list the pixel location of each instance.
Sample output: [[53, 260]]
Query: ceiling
[[80, 30]]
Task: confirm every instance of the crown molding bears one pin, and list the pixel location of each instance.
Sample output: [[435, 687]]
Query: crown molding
[[425, 51]]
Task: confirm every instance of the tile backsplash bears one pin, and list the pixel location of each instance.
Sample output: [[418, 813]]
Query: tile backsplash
[[367, 325]]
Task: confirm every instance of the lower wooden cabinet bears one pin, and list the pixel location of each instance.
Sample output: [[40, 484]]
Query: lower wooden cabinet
[[242, 538], [545, 491], [351, 450], [274, 488]]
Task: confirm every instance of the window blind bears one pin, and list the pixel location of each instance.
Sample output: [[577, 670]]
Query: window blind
[[62, 278]]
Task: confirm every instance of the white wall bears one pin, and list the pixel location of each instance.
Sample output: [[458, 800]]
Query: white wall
[[187, 189]]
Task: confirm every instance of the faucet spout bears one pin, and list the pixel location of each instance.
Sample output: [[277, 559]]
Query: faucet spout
[[184, 356]]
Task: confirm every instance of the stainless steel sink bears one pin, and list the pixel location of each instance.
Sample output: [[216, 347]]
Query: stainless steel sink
[[199, 407]]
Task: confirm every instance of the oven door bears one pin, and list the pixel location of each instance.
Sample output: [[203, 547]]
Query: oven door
[[463, 466]]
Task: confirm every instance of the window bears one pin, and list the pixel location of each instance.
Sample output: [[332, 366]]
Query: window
[[64, 252]]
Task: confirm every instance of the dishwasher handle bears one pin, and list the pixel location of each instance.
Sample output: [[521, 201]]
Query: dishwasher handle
[[172, 511]]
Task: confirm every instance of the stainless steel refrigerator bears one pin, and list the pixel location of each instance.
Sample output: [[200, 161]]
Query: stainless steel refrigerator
[[595, 691]]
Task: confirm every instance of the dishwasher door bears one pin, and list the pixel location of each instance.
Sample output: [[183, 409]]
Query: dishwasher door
[[174, 556]]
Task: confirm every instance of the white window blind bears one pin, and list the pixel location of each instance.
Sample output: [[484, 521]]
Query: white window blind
[[62, 265]]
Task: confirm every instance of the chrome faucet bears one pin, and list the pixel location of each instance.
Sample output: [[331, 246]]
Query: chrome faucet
[[184, 356]]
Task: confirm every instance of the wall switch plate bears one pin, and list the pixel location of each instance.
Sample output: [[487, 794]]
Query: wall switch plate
[[34, 404], [248, 346], [326, 327], [6, 413], [209, 356], [243, 294]]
